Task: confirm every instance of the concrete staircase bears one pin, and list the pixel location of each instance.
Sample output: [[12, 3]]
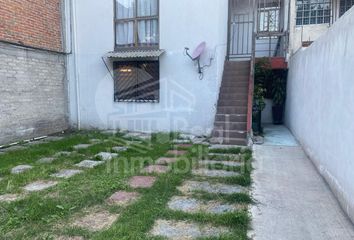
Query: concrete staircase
[[230, 127]]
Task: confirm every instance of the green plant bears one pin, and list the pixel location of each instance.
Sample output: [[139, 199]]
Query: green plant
[[258, 98], [263, 71], [279, 91]]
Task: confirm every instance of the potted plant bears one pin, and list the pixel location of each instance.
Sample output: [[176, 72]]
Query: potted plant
[[258, 107], [279, 96]]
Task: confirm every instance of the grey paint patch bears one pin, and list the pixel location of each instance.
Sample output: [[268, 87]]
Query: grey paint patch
[[177, 230], [67, 173], [216, 188], [40, 186], [20, 169], [89, 164], [214, 173]]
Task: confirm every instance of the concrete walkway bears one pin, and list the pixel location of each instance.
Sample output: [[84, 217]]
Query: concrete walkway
[[294, 202]]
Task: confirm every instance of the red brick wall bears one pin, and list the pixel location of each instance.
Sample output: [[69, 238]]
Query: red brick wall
[[34, 23]]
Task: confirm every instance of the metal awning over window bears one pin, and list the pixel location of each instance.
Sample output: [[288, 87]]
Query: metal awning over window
[[134, 54]]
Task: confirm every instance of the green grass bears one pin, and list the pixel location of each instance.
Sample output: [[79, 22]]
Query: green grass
[[46, 214]]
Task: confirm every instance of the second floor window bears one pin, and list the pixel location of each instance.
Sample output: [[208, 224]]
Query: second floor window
[[313, 12], [137, 23]]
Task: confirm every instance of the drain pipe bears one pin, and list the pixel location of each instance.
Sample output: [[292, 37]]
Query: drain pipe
[[76, 72]]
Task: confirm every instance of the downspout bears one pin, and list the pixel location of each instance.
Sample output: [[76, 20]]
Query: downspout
[[76, 72]]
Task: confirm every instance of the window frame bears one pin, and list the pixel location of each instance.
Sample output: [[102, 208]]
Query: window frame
[[309, 11], [135, 19]]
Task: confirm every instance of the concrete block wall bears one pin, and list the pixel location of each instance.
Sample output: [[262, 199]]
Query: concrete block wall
[[33, 94]]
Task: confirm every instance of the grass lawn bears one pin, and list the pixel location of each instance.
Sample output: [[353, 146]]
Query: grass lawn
[[49, 213]]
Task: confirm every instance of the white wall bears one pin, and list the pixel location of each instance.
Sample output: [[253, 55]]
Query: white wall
[[186, 103], [320, 109]]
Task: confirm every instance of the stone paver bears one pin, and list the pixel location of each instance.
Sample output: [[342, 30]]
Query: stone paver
[[46, 160], [177, 152], [166, 160], [62, 153], [192, 205], [142, 182], [181, 141], [82, 146], [68, 238], [96, 221], [203, 172], [119, 149], [94, 141], [89, 164], [66, 173], [187, 136], [184, 145], [225, 163], [189, 187], [123, 198], [20, 169], [40, 185], [106, 156], [156, 169], [181, 230], [9, 197]]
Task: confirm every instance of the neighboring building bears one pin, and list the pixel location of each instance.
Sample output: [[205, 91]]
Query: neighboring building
[[32, 70]]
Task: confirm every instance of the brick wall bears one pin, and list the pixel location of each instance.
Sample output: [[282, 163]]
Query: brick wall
[[33, 91], [34, 23]]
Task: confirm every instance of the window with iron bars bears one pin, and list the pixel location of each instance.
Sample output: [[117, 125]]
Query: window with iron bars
[[345, 5], [313, 12]]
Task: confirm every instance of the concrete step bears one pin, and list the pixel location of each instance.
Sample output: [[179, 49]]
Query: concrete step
[[235, 78], [231, 110], [217, 133], [232, 95], [235, 83], [231, 117], [229, 103], [234, 90], [241, 126], [229, 141]]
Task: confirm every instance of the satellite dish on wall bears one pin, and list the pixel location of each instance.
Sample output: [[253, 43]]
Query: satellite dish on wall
[[199, 50]]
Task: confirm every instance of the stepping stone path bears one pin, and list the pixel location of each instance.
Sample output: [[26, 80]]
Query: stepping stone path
[[181, 230], [82, 146], [225, 163], [46, 160], [189, 187], [180, 141], [156, 169], [177, 152], [9, 197], [96, 221], [142, 182], [123, 198], [66, 173], [192, 205], [184, 145], [95, 141], [89, 164], [119, 149], [62, 153], [39, 186], [166, 161], [106, 156], [203, 172], [20, 169], [69, 238]]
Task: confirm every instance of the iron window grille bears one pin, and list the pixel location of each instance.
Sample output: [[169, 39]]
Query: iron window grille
[[269, 18], [344, 6], [128, 19], [313, 12], [136, 81]]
